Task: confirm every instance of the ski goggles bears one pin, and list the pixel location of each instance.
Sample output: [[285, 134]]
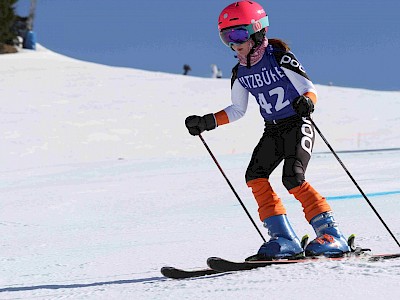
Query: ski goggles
[[241, 34]]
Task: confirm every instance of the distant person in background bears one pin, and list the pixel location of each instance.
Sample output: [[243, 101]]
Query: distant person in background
[[269, 71], [216, 72], [26, 38], [186, 69]]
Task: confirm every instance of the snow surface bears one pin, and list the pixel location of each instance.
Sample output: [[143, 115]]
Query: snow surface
[[101, 186]]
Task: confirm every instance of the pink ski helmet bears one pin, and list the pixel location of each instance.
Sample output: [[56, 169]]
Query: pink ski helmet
[[243, 13]]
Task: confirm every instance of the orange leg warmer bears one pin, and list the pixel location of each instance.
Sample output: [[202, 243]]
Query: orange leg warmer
[[269, 204], [313, 203]]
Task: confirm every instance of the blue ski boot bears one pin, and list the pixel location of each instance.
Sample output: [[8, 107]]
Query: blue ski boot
[[330, 241], [283, 243]]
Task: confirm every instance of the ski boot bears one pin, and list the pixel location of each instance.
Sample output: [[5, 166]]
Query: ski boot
[[283, 243], [330, 241]]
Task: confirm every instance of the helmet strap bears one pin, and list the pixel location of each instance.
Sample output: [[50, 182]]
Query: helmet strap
[[258, 39], [248, 64]]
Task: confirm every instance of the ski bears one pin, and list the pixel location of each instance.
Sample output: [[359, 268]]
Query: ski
[[176, 273], [223, 265], [219, 265]]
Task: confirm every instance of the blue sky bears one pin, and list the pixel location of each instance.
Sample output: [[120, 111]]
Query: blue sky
[[353, 43]]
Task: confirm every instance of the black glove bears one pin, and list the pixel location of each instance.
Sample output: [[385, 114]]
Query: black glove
[[303, 106], [197, 124]]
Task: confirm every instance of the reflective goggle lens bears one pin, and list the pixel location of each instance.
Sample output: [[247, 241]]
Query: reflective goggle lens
[[234, 36]]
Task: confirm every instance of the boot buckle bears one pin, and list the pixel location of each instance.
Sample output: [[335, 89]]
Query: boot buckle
[[325, 238]]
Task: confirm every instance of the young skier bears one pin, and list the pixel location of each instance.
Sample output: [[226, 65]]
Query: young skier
[[271, 73]]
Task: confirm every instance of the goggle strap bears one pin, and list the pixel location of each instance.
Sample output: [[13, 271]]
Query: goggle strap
[[257, 26]]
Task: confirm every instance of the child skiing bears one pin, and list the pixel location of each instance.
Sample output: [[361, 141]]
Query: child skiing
[[271, 73]]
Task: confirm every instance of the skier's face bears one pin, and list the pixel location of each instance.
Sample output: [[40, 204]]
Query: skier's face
[[243, 49]]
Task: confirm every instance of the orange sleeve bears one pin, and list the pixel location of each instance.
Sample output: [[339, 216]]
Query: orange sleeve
[[221, 117], [312, 96]]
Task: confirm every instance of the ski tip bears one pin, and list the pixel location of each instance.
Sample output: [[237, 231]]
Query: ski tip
[[213, 258], [175, 273], [167, 271]]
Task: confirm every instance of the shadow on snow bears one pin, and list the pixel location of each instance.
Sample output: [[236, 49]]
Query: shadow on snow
[[101, 283], [79, 285]]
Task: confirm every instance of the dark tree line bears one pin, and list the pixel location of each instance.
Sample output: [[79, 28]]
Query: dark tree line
[[7, 21]]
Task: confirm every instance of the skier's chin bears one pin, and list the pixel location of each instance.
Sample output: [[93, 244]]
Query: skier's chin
[[242, 51]]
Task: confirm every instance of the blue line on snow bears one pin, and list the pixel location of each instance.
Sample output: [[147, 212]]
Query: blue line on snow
[[343, 197]]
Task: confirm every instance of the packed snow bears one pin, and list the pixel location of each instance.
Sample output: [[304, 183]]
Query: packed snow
[[101, 186]]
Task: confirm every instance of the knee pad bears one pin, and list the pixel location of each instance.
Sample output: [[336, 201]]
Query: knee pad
[[293, 173], [250, 175]]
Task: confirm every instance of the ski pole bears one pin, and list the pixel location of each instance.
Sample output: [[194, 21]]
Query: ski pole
[[231, 186], [354, 181]]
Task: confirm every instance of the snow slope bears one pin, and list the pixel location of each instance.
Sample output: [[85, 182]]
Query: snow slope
[[101, 185]]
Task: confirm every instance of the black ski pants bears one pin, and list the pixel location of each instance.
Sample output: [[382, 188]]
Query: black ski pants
[[290, 140]]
